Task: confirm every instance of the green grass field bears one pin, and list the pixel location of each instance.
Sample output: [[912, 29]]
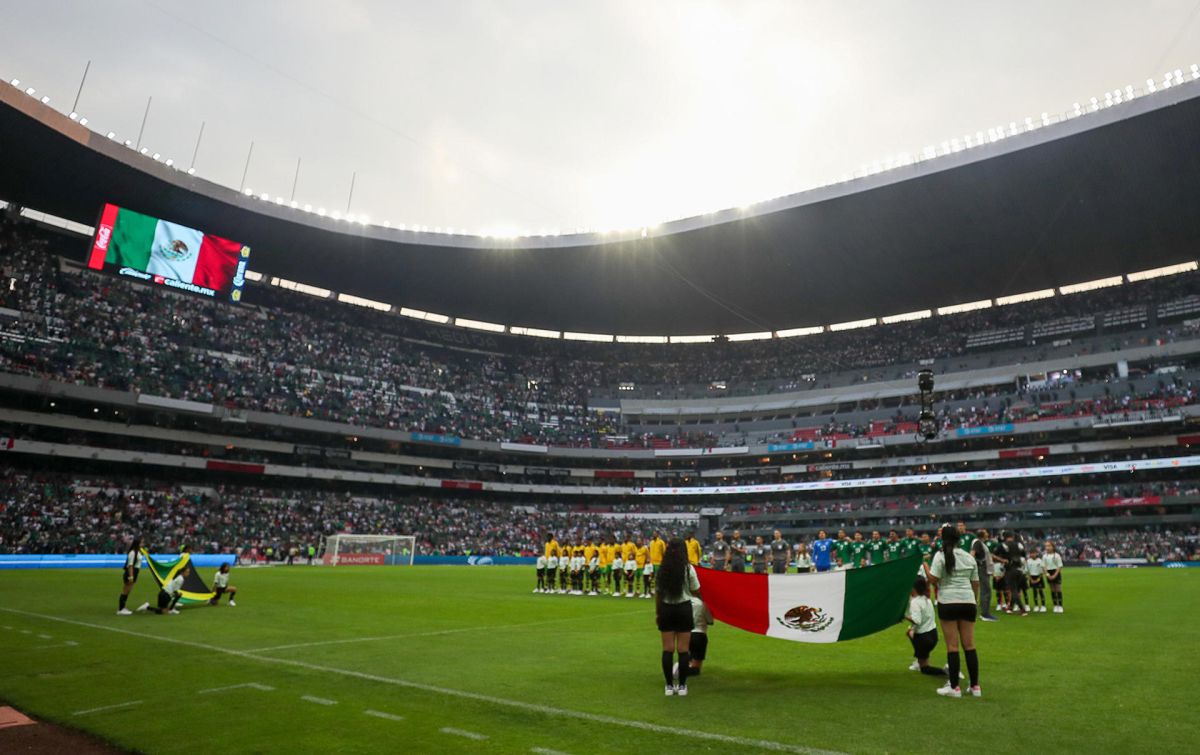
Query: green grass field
[[472, 650]]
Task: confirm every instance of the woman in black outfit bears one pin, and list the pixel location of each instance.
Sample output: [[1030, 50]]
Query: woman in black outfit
[[676, 584]]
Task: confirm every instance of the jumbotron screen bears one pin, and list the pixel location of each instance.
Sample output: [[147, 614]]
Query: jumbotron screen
[[168, 254]]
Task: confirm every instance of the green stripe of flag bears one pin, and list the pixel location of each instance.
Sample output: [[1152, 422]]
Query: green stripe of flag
[[877, 596], [132, 240]]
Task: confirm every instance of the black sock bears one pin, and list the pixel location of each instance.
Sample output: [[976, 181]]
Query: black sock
[[124, 598], [933, 671], [972, 666], [952, 662], [685, 660], [667, 657]]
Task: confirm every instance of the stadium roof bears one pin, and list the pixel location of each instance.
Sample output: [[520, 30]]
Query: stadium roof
[[1103, 194]]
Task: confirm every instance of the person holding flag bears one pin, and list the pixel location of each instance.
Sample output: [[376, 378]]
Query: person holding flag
[[129, 575], [956, 575], [677, 585]]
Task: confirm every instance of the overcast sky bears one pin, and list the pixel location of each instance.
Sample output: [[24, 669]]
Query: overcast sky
[[542, 114]]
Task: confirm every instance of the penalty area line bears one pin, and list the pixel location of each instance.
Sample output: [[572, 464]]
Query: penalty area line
[[547, 710]]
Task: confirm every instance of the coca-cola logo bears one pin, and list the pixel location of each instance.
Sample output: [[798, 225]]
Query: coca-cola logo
[[102, 237]]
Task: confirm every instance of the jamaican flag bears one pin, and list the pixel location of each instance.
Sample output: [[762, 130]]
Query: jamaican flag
[[194, 592]]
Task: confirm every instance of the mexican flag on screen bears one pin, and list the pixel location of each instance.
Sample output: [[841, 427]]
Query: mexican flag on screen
[[824, 607], [160, 247]]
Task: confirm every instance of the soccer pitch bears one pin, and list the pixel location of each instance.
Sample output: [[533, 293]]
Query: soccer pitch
[[461, 659]]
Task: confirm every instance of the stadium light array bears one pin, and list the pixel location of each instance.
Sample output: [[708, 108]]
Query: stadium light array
[[642, 339], [596, 337], [907, 316], [491, 327], [417, 314], [756, 336], [853, 324], [794, 332], [1092, 285], [1159, 272], [1044, 293], [692, 339], [359, 301], [970, 306], [535, 332]]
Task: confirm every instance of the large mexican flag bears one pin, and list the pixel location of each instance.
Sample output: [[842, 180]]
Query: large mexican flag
[[825, 607], [160, 247]]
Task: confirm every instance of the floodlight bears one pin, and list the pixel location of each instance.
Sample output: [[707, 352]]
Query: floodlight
[[308, 208], [31, 90], [46, 100], [73, 116], [143, 150], [169, 162], [295, 204], [128, 143], [349, 217], [321, 211], [191, 171], [16, 82], [248, 192], [337, 215], [83, 121], [112, 135], [156, 156]]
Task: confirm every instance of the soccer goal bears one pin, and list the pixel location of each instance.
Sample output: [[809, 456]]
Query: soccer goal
[[370, 550]]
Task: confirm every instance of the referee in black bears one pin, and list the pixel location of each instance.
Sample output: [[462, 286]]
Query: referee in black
[[780, 552], [738, 555]]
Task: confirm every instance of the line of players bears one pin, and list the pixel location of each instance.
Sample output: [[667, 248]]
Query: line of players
[[612, 566]]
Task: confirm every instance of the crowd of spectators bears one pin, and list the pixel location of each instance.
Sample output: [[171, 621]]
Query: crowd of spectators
[[301, 356], [57, 513]]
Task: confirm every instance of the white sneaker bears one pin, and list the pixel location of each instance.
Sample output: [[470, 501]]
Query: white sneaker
[[231, 603], [914, 666], [976, 692], [948, 691], [681, 690], [593, 592], [536, 590], [144, 607], [174, 611], [670, 691], [124, 612]]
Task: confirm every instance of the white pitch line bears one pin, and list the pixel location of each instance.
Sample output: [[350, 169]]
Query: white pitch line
[[250, 685], [436, 633], [544, 751], [463, 733], [45, 637], [318, 700], [107, 707], [381, 714], [547, 710]]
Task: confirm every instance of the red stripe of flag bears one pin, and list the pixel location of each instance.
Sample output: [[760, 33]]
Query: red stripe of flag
[[738, 599], [217, 262]]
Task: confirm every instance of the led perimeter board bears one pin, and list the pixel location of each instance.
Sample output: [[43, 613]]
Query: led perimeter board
[[158, 251]]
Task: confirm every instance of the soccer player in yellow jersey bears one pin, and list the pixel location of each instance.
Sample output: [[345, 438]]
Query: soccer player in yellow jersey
[[693, 549], [564, 566], [579, 553], [551, 545], [646, 567], [591, 555], [657, 547], [606, 559]]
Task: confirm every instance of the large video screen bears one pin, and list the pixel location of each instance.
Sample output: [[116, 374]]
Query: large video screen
[[168, 254]]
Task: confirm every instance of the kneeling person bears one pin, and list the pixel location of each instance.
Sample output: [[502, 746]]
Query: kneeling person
[[221, 586], [168, 596]]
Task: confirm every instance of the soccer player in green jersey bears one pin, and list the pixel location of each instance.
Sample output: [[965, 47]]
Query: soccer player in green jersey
[[875, 547], [858, 551], [910, 543], [965, 538], [894, 548], [842, 550]]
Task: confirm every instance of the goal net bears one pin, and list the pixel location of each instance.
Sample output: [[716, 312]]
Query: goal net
[[369, 550]]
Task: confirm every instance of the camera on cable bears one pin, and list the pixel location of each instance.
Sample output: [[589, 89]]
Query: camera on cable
[[927, 424]]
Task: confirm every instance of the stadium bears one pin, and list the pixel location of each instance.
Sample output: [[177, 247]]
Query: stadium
[[428, 458]]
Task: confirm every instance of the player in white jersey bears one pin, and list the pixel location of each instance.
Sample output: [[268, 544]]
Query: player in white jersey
[[594, 574], [221, 586], [630, 576], [1035, 570], [577, 575], [542, 561], [551, 572], [1054, 564], [564, 571], [618, 569]]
